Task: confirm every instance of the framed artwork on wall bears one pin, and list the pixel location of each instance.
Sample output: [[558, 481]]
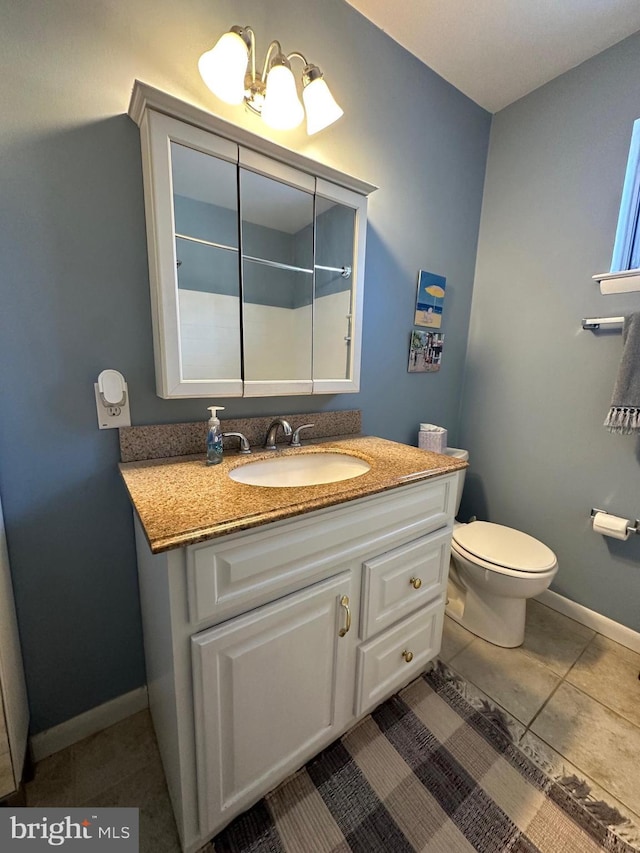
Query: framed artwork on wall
[[430, 299], [425, 351]]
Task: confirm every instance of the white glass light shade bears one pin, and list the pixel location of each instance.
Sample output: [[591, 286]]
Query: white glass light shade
[[223, 68], [282, 109], [322, 109]]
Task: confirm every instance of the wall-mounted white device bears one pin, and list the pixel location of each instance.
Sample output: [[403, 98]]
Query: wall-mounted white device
[[112, 400]]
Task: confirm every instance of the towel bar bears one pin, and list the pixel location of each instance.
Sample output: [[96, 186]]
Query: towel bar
[[595, 322]]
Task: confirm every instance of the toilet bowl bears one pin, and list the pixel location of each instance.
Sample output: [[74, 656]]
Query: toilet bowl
[[494, 570]]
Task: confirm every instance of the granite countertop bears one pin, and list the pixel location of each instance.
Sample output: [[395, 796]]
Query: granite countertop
[[182, 500]]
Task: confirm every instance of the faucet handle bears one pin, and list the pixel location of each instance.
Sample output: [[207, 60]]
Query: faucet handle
[[244, 444], [295, 438]]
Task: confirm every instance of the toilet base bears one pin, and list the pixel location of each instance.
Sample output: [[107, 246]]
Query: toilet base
[[494, 618]]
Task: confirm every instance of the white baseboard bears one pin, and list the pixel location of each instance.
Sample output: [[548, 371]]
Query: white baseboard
[[602, 624], [93, 721]]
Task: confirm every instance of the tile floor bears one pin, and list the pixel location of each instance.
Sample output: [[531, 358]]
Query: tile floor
[[119, 766], [570, 698]]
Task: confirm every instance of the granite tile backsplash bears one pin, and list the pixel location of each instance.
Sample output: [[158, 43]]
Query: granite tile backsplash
[[161, 441]]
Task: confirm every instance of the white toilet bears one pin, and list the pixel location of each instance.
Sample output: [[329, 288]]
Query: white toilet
[[494, 569]]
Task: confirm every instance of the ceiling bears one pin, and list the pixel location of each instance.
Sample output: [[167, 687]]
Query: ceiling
[[499, 50]]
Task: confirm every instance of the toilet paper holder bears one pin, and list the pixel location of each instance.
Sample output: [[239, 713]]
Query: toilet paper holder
[[631, 528]]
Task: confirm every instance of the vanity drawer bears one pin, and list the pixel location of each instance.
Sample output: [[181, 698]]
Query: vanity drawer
[[239, 572], [403, 580], [395, 657]]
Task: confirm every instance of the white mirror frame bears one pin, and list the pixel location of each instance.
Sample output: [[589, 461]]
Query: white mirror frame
[[162, 118]]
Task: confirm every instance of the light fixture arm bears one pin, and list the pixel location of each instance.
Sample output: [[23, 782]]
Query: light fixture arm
[[267, 60], [252, 52], [296, 55]]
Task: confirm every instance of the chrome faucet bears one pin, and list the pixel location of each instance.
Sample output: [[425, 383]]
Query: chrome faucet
[[270, 440]]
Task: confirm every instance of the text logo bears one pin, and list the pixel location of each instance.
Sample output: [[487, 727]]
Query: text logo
[[35, 830]]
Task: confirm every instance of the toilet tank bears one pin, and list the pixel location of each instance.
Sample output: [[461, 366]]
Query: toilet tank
[[464, 455]]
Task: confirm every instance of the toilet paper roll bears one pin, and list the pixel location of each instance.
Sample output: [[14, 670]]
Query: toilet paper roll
[[611, 525]]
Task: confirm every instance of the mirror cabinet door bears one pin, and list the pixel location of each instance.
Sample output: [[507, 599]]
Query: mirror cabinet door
[[333, 312], [277, 281], [205, 207], [190, 180]]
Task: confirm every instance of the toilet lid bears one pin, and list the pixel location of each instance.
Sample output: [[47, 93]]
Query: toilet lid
[[504, 546]]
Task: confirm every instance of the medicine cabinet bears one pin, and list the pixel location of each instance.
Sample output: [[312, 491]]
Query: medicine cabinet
[[256, 259]]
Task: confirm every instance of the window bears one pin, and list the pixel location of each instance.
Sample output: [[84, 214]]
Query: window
[[626, 249]]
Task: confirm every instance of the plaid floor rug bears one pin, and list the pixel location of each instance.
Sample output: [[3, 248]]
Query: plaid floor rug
[[424, 772]]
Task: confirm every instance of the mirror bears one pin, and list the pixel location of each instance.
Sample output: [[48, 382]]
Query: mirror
[[295, 297], [277, 278], [333, 310], [205, 207]]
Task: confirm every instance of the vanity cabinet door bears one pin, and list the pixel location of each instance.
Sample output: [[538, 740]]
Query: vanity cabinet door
[[271, 689]]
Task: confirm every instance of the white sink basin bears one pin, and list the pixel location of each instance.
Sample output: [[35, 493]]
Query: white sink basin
[[307, 469]]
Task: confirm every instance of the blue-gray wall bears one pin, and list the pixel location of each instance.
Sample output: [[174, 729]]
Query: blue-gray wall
[[537, 387], [75, 290]]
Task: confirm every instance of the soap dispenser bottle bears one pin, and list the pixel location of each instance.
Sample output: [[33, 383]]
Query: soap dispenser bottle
[[214, 437]]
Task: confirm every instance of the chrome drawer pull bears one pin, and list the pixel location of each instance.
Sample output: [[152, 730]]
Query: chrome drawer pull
[[416, 583], [408, 656], [344, 602]]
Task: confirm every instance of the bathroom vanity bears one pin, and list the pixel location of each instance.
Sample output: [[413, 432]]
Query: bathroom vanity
[[274, 618]]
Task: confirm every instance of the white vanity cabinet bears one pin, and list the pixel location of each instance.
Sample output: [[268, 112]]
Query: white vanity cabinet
[[256, 259], [264, 646]]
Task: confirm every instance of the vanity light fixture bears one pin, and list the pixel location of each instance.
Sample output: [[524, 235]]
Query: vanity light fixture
[[271, 93]]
